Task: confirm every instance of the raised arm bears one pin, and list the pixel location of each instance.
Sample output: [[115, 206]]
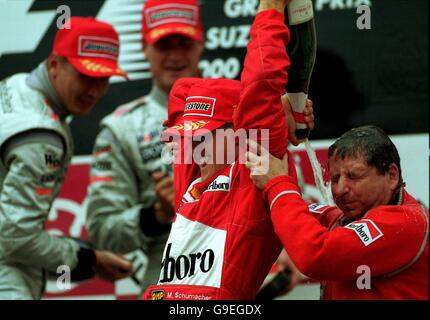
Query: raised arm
[[265, 76]]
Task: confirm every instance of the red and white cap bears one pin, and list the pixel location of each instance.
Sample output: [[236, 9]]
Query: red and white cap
[[208, 105], [178, 95], [161, 18], [91, 46]]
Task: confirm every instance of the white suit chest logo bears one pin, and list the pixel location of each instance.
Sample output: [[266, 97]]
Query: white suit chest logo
[[193, 255]]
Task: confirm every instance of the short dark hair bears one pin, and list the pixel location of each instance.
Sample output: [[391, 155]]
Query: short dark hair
[[372, 143]]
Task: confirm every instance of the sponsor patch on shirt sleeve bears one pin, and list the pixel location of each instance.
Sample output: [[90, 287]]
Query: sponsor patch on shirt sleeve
[[366, 230], [318, 208]]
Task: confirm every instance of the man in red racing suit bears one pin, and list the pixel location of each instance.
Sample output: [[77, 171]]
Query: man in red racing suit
[[389, 243], [374, 244], [222, 244]]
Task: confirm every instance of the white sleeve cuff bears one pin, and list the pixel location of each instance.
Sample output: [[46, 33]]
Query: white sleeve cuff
[[280, 194]]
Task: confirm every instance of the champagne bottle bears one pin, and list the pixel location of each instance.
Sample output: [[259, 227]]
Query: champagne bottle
[[275, 286], [302, 52]]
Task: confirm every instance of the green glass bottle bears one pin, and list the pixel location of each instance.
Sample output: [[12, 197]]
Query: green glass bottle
[[302, 52]]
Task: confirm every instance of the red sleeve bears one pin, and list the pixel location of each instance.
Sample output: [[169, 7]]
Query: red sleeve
[[264, 79], [328, 216], [388, 238]]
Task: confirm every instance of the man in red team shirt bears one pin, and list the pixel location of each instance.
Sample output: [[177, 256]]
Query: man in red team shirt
[[222, 244], [374, 244]]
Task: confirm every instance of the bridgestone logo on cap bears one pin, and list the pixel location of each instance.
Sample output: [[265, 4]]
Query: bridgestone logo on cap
[[199, 106], [101, 47], [171, 13], [98, 47]]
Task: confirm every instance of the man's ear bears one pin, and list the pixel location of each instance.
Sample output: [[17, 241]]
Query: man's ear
[[201, 46], [144, 45], [52, 64], [394, 176]]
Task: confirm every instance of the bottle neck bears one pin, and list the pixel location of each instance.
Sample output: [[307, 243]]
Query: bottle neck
[[299, 11]]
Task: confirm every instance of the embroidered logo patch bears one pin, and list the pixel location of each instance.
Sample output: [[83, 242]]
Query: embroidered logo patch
[[157, 295], [171, 13], [366, 230], [222, 183], [200, 106], [318, 208], [98, 47]]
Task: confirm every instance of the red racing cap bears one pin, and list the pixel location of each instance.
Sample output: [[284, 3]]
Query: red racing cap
[[209, 104], [91, 46], [161, 18], [177, 97]]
